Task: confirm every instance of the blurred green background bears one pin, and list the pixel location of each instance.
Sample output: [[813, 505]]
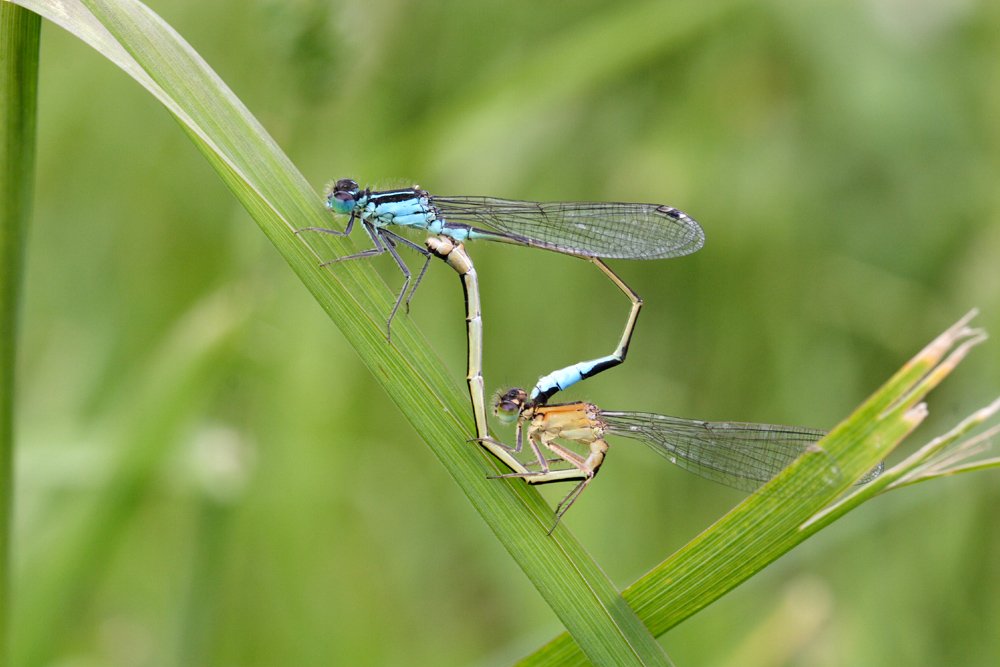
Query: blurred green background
[[208, 476]]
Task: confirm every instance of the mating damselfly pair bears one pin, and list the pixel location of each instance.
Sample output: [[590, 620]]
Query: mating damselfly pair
[[737, 454]]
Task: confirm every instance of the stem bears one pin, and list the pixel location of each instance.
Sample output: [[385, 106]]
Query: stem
[[19, 37]]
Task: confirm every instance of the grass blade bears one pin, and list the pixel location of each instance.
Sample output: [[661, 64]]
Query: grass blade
[[19, 39]]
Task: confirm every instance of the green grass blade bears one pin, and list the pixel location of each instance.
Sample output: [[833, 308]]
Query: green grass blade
[[765, 526], [19, 39], [280, 201]]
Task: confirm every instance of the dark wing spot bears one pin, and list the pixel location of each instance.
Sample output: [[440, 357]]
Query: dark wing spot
[[670, 211]]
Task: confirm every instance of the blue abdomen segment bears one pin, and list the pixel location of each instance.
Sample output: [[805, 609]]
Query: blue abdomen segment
[[563, 378], [458, 232]]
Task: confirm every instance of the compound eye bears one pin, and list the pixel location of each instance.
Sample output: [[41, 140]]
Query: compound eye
[[343, 196], [508, 406], [506, 411]]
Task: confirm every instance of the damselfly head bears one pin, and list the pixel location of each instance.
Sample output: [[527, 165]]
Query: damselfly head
[[508, 405], [342, 195]]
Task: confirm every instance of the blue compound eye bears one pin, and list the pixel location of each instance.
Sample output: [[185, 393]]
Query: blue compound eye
[[342, 196]]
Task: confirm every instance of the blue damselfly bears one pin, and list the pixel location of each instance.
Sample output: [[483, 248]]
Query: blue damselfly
[[591, 230]]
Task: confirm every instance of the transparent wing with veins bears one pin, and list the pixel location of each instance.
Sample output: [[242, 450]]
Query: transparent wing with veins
[[588, 229], [737, 454]]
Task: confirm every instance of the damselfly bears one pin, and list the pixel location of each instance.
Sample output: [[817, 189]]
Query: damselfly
[[741, 455], [591, 230]]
